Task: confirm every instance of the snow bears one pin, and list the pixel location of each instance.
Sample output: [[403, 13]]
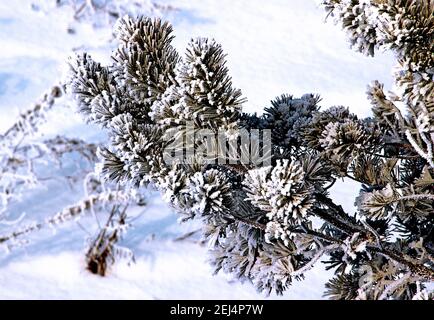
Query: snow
[[275, 47]]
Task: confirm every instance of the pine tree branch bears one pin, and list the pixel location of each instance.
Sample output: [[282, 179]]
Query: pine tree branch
[[351, 228], [416, 197], [416, 269]]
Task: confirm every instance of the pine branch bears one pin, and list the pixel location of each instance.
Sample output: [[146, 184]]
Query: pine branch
[[350, 228], [419, 270], [142, 98]]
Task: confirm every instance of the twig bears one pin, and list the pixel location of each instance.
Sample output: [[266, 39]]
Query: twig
[[321, 251], [187, 235]]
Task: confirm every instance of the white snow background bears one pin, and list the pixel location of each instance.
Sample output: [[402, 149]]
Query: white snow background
[[273, 47]]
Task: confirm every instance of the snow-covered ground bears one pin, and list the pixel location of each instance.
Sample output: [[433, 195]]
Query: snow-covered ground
[[273, 47]]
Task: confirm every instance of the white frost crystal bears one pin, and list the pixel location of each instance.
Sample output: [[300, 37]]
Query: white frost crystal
[[209, 190], [280, 191]]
